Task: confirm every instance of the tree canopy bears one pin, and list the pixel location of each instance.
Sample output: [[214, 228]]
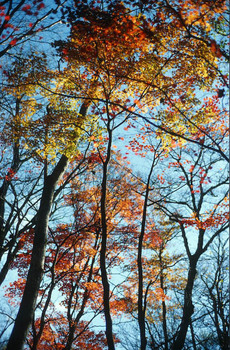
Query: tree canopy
[[114, 174]]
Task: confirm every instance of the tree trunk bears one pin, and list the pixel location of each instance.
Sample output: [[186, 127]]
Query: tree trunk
[[28, 303], [193, 336], [105, 282], [70, 337], [141, 311], [141, 307], [188, 307], [164, 311], [3, 191]]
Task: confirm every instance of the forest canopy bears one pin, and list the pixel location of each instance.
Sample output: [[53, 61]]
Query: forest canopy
[[114, 143]]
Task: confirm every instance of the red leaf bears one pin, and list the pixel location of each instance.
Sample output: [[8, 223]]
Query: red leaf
[[8, 25], [26, 8], [41, 6], [215, 49], [13, 42], [65, 51]]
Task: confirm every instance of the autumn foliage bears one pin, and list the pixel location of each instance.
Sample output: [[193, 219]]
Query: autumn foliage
[[113, 177]]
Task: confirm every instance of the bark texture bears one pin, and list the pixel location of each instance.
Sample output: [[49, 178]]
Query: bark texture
[[28, 303]]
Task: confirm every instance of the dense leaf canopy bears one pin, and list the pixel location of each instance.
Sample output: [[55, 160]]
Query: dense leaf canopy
[[114, 174]]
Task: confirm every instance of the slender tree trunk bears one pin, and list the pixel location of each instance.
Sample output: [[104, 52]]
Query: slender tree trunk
[[188, 307], [70, 337], [193, 336], [27, 307], [37, 336], [165, 325], [141, 312], [141, 307], [164, 312], [28, 303], [105, 282], [6, 266], [72, 328], [3, 191]]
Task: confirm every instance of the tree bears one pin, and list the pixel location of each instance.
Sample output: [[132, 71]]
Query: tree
[[209, 221], [21, 21], [72, 263], [41, 219], [186, 195], [151, 84], [215, 292], [125, 67]]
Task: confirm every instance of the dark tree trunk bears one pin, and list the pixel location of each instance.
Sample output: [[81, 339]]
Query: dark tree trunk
[[105, 282], [141, 300], [73, 325], [141, 311], [193, 336], [188, 307], [3, 191], [164, 311], [27, 307], [70, 337], [37, 336], [28, 303]]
